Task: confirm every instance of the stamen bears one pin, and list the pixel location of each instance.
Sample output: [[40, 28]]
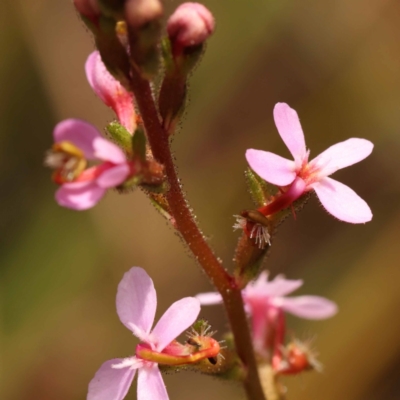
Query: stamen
[[240, 223], [260, 234]]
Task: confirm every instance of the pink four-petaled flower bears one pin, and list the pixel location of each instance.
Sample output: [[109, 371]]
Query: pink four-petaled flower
[[337, 198], [266, 300], [136, 307]]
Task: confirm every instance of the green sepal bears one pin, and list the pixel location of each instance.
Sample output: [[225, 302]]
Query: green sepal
[[156, 189], [130, 184], [157, 202], [166, 53], [190, 58], [112, 8], [138, 143], [120, 136], [144, 48], [260, 190]]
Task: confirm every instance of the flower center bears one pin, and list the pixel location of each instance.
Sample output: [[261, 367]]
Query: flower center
[[67, 160]]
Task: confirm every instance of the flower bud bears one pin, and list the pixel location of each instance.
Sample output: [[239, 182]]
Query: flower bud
[[140, 12], [88, 8], [190, 25]]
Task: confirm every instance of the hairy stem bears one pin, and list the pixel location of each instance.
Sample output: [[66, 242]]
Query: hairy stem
[[186, 225]]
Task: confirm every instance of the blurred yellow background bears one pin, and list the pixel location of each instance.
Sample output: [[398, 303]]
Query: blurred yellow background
[[337, 63]]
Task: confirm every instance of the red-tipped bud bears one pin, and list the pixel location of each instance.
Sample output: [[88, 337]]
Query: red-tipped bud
[[297, 357], [190, 25], [88, 8], [140, 12]]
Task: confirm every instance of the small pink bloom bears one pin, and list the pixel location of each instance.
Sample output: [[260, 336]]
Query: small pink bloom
[[190, 25], [89, 186], [110, 91], [266, 301], [136, 308], [338, 199]]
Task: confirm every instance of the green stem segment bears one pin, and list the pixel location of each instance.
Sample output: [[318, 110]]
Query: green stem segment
[[186, 225]]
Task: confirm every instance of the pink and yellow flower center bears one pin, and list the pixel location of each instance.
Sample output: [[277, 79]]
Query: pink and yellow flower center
[[67, 160]]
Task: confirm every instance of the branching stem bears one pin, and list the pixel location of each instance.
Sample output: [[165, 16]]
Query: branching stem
[[186, 225]]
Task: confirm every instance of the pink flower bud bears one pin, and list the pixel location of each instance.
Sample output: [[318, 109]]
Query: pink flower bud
[[88, 8], [140, 12], [190, 25]]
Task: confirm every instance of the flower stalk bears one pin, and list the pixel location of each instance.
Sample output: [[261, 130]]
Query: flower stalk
[[190, 232]]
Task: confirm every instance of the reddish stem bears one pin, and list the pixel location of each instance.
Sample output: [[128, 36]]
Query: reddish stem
[[186, 225]]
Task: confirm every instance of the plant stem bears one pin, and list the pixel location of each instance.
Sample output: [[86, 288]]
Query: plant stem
[[186, 225]]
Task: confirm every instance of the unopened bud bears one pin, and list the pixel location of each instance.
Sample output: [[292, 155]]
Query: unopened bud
[[140, 12], [190, 25], [88, 9]]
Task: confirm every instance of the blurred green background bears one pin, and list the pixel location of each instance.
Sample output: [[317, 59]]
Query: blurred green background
[[337, 63]]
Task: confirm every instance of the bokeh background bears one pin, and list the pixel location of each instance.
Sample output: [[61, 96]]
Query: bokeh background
[[337, 63]]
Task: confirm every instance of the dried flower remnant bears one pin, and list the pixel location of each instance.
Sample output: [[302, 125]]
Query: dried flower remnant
[[76, 143], [337, 198], [136, 306], [255, 229], [110, 91], [266, 303], [296, 357]]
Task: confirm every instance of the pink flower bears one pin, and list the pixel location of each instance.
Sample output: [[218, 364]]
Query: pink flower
[[136, 308], [110, 91], [190, 25], [266, 302], [76, 142], [338, 199]]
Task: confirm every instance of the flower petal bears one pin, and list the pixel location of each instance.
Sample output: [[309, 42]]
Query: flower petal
[[342, 202], [342, 155], [150, 384], [309, 307], [78, 132], [110, 383], [209, 298], [175, 320], [110, 91], [137, 301], [108, 151], [271, 167], [79, 195], [279, 286], [114, 176], [289, 127]]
